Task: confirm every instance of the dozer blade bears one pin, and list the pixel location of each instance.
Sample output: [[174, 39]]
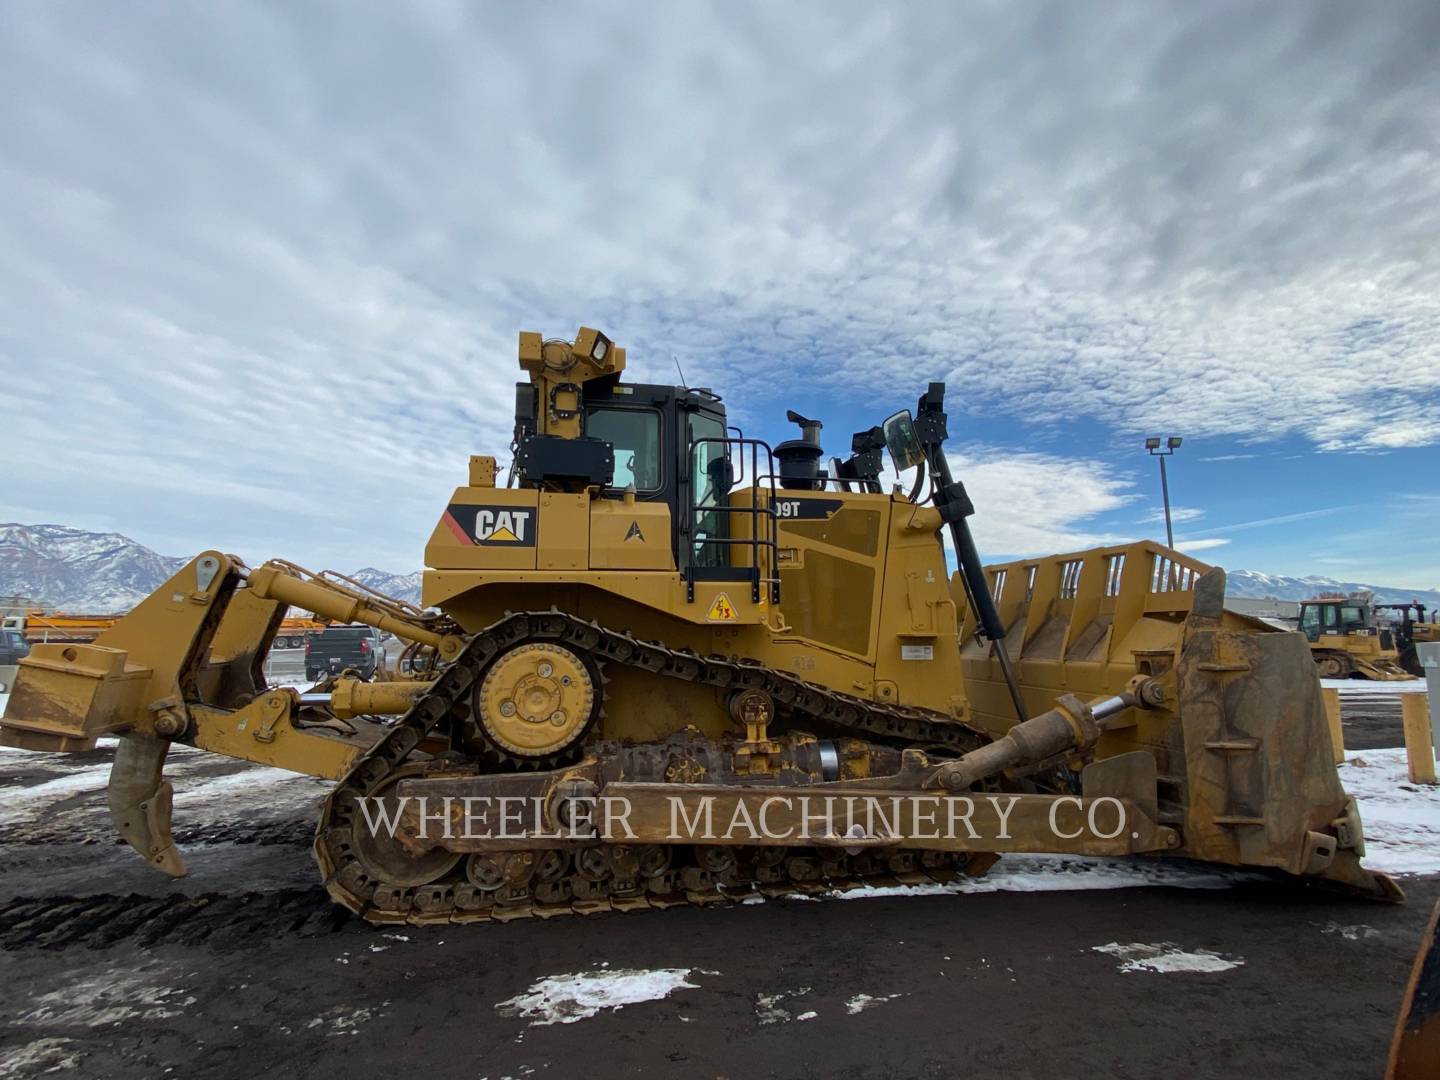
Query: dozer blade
[[1244, 768], [1382, 670], [140, 801]]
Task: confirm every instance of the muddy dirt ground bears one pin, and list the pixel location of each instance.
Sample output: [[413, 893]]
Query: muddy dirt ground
[[243, 969]]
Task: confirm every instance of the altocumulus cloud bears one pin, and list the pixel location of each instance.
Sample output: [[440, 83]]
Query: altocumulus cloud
[[261, 266]]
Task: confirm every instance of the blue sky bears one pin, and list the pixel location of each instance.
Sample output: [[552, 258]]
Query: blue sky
[[262, 266]]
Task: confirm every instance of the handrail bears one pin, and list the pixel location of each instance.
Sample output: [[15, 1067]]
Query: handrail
[[758, 512]]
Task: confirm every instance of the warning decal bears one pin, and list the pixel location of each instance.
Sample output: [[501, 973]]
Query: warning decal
[[721, 610]]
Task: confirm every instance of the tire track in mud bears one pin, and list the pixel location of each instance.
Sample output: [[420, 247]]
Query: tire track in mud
[[100, 921], [296, 833]]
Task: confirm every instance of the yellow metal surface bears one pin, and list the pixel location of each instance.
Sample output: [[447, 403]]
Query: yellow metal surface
[[558, 369], [536, 699], [352, 697], [626, 534], [1238, 725], [493, 542], [65, 695], [1415, 1046], [482, 470], [1332, 714], [263, 732], [464, 593], [831, 592], [1419, 740], [566, 537], [282, 582], [1084, 623]]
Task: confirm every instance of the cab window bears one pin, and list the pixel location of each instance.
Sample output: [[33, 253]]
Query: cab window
[[635, 434], [1351, 618], [710, 471], [1310, 622]]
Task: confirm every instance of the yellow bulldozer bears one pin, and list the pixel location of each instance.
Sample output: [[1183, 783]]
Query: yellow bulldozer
[[1415, 627], [1347, 641], [664, 663]]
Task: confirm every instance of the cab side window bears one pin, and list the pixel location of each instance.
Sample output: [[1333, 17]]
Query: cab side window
[[635, 434], [1310, 622]]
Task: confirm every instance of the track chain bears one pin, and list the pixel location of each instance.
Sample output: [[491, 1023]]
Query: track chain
[[625, 877]]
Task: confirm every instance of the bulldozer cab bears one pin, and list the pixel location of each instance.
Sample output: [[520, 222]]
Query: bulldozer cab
[[1324, 618], [670, 447]]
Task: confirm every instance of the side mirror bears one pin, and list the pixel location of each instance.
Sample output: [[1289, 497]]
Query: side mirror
[[902, 442]]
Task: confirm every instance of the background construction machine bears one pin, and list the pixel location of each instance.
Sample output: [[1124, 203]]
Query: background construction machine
[[42, 626], [1347, 640], [658, 622], [1415, 626]]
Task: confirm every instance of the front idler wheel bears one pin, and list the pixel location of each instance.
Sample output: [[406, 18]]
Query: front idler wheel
[[386, 859]]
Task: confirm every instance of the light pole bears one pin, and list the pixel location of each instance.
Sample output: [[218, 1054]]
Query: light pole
[[1171, 445]]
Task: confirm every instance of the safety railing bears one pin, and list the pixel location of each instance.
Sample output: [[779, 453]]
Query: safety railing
[[764, 561]]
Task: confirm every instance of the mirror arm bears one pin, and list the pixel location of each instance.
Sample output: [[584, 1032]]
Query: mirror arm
[[919, 482]]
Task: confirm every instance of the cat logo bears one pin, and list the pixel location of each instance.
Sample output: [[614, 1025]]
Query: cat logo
[[634, 533], [501, 526], [721, 610], [492, 526]]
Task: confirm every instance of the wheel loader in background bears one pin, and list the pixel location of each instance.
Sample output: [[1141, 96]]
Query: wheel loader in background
[[663, 663], [1348, 641]]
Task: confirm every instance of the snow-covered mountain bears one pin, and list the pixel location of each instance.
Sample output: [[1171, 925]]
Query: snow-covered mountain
[[400, 586], [73, 570], [1253, 583], [78, 570]]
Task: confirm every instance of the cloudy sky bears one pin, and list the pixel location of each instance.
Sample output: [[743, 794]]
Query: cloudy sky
[[262, 266]]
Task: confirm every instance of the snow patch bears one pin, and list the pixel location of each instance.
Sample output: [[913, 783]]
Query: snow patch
[[341, 1021], [1371, 689], [1401, 819], [38, 1056], [1351, 933], [281, 785], [1061, 873], [768, 1009], [860, 1002], [24, 803], [564, 999], [1166, 958], [108, 997]]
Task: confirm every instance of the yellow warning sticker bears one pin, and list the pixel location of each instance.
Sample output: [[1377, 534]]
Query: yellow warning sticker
[[721, 610]]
